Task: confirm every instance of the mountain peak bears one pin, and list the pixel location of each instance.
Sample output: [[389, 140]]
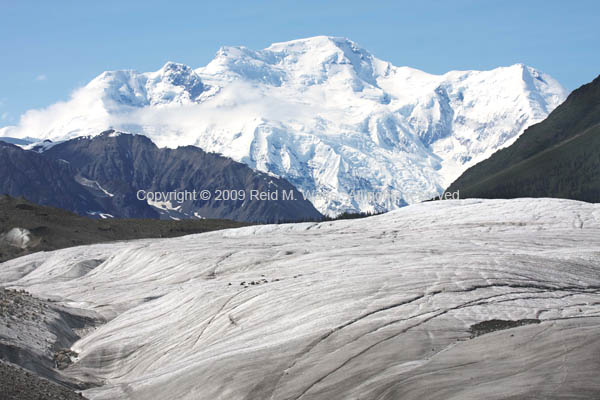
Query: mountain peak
[[173, 83], [174, 71], [315, 43], [324, 52], [175, 67], [113, 133], [307, 61], [176, 79]]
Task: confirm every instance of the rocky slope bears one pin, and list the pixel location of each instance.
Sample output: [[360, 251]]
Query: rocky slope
[[19, 384], [37, 333], [333, 119], [444, 300], [104, 176], [43, 180]]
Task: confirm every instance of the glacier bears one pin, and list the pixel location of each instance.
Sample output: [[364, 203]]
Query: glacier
[[350, 131], [377, 308]]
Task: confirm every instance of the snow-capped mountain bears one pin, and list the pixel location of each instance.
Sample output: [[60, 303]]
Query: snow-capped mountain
[[349, 130]]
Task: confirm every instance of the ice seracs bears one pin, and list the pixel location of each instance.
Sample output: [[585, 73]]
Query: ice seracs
[[326, 114]]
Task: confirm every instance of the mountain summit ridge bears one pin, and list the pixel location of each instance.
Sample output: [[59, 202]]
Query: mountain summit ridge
[[322, 112]]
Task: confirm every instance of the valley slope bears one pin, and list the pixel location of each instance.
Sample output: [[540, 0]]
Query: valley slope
[[559, 157]]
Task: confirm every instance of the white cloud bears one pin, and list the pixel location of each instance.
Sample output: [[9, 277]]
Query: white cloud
[[41, 77]]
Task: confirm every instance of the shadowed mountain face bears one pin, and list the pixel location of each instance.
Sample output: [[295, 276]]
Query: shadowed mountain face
[[103, 175], [43, 180], [559, 157]]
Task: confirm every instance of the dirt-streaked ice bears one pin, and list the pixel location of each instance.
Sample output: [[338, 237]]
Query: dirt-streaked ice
[[378, 308]]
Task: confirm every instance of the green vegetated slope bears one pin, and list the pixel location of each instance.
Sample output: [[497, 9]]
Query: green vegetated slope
[[558, 157]]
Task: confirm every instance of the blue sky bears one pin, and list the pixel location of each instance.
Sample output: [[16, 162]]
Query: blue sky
[[49, 48]]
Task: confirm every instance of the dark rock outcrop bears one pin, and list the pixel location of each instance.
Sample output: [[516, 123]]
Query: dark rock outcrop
[[103, 176]]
